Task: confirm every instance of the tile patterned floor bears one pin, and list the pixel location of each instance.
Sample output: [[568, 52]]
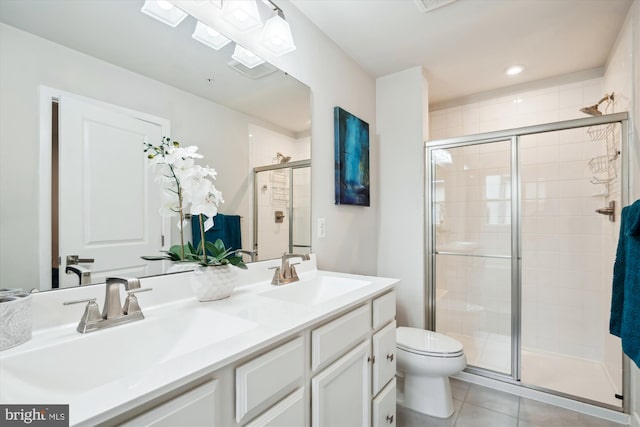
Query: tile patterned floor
[[477, 406]]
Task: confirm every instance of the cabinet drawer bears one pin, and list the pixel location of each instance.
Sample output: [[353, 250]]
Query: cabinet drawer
[[288, 412], [339, 335], [384, 406], [196, 407], [266, 379], [384, 309], [384, 352]]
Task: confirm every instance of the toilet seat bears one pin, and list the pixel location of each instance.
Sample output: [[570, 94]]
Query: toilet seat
[[427, 343]]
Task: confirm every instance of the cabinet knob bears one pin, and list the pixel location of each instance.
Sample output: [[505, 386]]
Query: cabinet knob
[[390, 419], [390, 357]]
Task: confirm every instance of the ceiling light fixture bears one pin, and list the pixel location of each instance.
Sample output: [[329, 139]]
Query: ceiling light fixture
[[210, 37], [276, 34], [246, 57], [164, 12], [514, 70], [242, 14]]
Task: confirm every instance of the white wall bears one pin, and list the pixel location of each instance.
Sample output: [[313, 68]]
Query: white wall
[[27, 61], [402, 116], [335, 80]]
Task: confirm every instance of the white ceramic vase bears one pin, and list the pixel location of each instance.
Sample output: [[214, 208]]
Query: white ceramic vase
[[213, 282]]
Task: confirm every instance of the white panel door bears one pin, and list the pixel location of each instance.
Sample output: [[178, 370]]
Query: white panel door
[[340, 394], [108, 200]]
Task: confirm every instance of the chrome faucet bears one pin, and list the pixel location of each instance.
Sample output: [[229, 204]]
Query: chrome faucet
[[113, 313], [286, 273]]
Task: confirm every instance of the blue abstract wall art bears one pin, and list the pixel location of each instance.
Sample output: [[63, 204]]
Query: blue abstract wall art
[[351, 159]]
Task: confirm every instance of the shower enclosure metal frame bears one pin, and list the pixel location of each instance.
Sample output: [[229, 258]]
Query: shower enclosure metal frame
[[513, 135], [300, 164]]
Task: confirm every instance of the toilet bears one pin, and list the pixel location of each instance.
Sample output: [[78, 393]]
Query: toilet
[[426, 359]]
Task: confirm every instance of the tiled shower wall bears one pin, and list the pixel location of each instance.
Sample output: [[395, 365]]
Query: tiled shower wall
[[566, 274]]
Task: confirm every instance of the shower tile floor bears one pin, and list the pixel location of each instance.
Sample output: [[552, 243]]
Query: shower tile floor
[[571, 375], [477, 406]]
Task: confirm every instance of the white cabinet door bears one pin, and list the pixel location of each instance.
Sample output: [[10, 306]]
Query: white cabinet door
[[384, 406], [194, 408], [340, 395], [384, 352], [289, 412]]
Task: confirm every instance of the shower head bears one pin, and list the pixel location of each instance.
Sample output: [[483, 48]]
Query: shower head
[[593, 109], [282, 158]]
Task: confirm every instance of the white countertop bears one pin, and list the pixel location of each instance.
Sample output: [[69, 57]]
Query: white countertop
[[265, 320]]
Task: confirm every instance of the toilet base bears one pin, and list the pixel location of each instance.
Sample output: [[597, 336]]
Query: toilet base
[[428, 395]]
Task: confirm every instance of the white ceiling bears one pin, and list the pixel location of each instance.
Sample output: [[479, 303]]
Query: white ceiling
[[466, 46], [117, 32]]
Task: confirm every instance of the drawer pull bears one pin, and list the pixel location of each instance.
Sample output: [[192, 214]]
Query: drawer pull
[[371, 359], [390, 357], [390, 419]]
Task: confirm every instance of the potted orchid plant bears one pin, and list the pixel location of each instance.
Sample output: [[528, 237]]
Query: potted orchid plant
[[188, 188]]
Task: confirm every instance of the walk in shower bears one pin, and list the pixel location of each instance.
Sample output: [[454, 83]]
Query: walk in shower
[[519, 261], [282, 209]]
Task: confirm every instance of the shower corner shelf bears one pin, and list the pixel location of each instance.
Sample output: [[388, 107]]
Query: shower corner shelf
[[600, 132]]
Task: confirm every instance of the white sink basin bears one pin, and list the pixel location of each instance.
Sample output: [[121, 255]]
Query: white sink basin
[[316, 290], [115, 353]]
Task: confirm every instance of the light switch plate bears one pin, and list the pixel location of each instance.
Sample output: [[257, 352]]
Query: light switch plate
[[322, 228]]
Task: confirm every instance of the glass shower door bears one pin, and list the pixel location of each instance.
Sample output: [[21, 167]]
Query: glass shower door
[[567, 257], [282, 209], [301, 214], [471, 216]]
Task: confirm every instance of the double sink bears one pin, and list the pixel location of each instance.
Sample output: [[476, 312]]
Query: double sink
[[58, 370]]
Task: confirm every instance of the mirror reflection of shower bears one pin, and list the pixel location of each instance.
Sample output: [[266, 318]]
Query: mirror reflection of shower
[[593, 110], [281, 158], [282, 191]]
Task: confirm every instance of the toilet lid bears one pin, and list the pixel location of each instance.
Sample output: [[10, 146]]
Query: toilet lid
[[427, 342]]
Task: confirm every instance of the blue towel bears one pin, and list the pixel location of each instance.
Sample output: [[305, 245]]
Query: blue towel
[[625, 296], [225, 228]]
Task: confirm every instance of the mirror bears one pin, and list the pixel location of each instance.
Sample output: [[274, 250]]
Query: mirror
[[109, 54]]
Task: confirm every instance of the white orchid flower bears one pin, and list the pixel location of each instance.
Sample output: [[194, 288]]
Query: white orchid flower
[[173, 154], [195, 183], [169, 204], [208, 205]]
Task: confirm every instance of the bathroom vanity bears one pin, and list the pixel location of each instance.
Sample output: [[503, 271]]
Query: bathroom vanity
[[317, 352]]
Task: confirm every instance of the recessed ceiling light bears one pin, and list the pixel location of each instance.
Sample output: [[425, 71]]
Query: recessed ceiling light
[[514, 70]]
